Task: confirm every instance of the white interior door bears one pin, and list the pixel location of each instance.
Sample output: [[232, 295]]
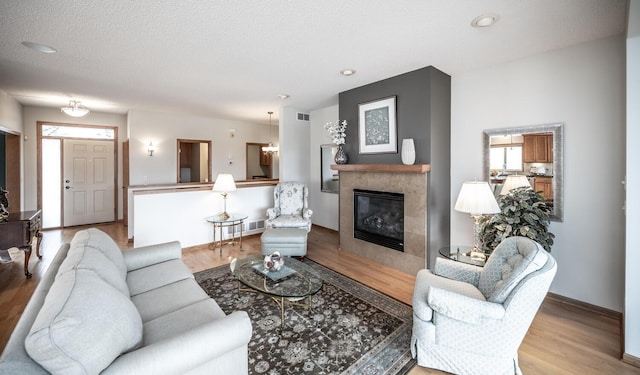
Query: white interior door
[[88, 182]]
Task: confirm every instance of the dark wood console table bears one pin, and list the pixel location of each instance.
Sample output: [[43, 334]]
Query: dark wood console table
[[18, 231]]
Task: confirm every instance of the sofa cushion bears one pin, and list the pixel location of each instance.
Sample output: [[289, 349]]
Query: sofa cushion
[[290, 198], [83, 325], [173, 297], [183, 320], [289, 221], [88, 258], [284, 236], [158, 275], [99, 240]]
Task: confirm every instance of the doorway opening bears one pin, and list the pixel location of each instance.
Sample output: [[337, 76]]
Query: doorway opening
[[77, 174], [10, 143]]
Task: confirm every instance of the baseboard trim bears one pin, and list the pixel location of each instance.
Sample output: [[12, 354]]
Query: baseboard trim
[[323, 228], [631, 360], [586, 306]]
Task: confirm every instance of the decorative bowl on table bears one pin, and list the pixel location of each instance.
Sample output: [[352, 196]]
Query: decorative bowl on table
[[273, 262]]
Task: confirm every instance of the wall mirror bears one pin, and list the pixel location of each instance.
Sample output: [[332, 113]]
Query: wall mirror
[[259, 164], [194, 161], [329, 179], [535, 151]]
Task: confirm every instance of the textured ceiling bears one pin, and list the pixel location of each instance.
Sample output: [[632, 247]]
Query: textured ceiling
[[231, 59]]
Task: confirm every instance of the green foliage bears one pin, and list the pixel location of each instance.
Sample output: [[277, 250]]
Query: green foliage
[[523, 213]]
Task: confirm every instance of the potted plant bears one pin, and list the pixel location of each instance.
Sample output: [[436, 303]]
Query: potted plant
[[523, 212]]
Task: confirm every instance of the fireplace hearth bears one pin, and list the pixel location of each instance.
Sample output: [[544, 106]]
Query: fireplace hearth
[[379, 218]]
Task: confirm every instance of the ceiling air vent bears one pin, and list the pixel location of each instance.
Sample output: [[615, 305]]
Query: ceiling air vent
[[303, 116]]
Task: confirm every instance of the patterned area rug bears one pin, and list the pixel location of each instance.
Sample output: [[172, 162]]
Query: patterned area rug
[[351, 328]]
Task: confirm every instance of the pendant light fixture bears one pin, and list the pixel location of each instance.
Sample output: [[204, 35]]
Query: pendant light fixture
[[271, 149], [75, 109]]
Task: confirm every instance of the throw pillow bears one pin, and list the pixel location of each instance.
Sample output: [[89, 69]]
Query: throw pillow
[[83, 325]]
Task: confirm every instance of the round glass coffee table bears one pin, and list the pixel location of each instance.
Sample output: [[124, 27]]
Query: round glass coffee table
[[294, 284]]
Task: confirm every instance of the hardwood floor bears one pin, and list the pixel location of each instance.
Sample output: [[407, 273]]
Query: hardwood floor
[[563, 339]]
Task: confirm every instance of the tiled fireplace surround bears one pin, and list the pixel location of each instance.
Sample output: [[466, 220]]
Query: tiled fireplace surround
[[410, 180]]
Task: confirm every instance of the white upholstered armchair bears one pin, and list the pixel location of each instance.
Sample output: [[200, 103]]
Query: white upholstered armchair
[[471, 320], [291, 207]]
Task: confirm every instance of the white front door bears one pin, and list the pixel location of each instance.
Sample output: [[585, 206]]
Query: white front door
[[88, 182]]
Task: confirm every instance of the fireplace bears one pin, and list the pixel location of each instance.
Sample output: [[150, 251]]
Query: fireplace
[[378, 217], [409, 180]]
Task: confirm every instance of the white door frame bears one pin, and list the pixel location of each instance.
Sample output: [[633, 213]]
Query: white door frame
[[39, 161]]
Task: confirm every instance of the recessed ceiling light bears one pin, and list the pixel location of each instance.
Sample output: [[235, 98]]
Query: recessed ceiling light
[[39, 47], [485, 20], [348, 72], [283, 96]]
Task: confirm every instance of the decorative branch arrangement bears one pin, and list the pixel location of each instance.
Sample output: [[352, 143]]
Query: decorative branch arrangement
[[337, 131]]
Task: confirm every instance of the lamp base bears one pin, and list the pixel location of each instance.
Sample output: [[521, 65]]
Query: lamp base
[[224, 215]]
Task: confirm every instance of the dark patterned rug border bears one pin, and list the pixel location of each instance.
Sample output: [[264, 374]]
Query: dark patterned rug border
[[400, 359]]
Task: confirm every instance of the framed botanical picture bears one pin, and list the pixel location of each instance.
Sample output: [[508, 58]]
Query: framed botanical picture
[[377, 131]]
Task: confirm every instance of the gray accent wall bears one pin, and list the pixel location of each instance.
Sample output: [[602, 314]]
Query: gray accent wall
[[423, 112]]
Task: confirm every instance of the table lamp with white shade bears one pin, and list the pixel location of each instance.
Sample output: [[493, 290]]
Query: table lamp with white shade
[[514, 181], [224, 184], [476, 198]]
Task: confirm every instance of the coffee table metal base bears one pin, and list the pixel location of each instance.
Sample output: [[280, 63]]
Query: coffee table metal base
[[293, 289], [281, 301]]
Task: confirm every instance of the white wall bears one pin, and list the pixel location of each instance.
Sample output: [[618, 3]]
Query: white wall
[[632, 283], [10, 113], [163, 129], [583, 87], [181, 216], [34, 114], [324, 205], [294, 147]]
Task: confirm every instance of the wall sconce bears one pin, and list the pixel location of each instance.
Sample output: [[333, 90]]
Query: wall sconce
[[151, 148]]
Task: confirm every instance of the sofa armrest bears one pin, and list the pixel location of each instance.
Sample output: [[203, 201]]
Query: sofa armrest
[[457, 271], [306, 213], [141, 257], [463, 308], [188, 350], [273, 212]]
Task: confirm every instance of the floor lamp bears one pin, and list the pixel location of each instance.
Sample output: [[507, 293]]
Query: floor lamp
[[476, 198]]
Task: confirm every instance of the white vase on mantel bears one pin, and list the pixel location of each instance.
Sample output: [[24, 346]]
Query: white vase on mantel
[[408, 151]]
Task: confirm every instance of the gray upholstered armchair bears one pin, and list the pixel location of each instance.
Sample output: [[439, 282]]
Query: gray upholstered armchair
[[471, 320], [291, 207]]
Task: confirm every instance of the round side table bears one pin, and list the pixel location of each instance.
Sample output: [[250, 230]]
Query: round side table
[[219, 222], [459, 254]]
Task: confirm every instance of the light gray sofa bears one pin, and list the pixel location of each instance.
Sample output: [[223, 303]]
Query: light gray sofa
[[101, 310]]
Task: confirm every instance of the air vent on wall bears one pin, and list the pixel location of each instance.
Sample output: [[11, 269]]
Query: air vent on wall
[[254, 225], [303, 116]]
